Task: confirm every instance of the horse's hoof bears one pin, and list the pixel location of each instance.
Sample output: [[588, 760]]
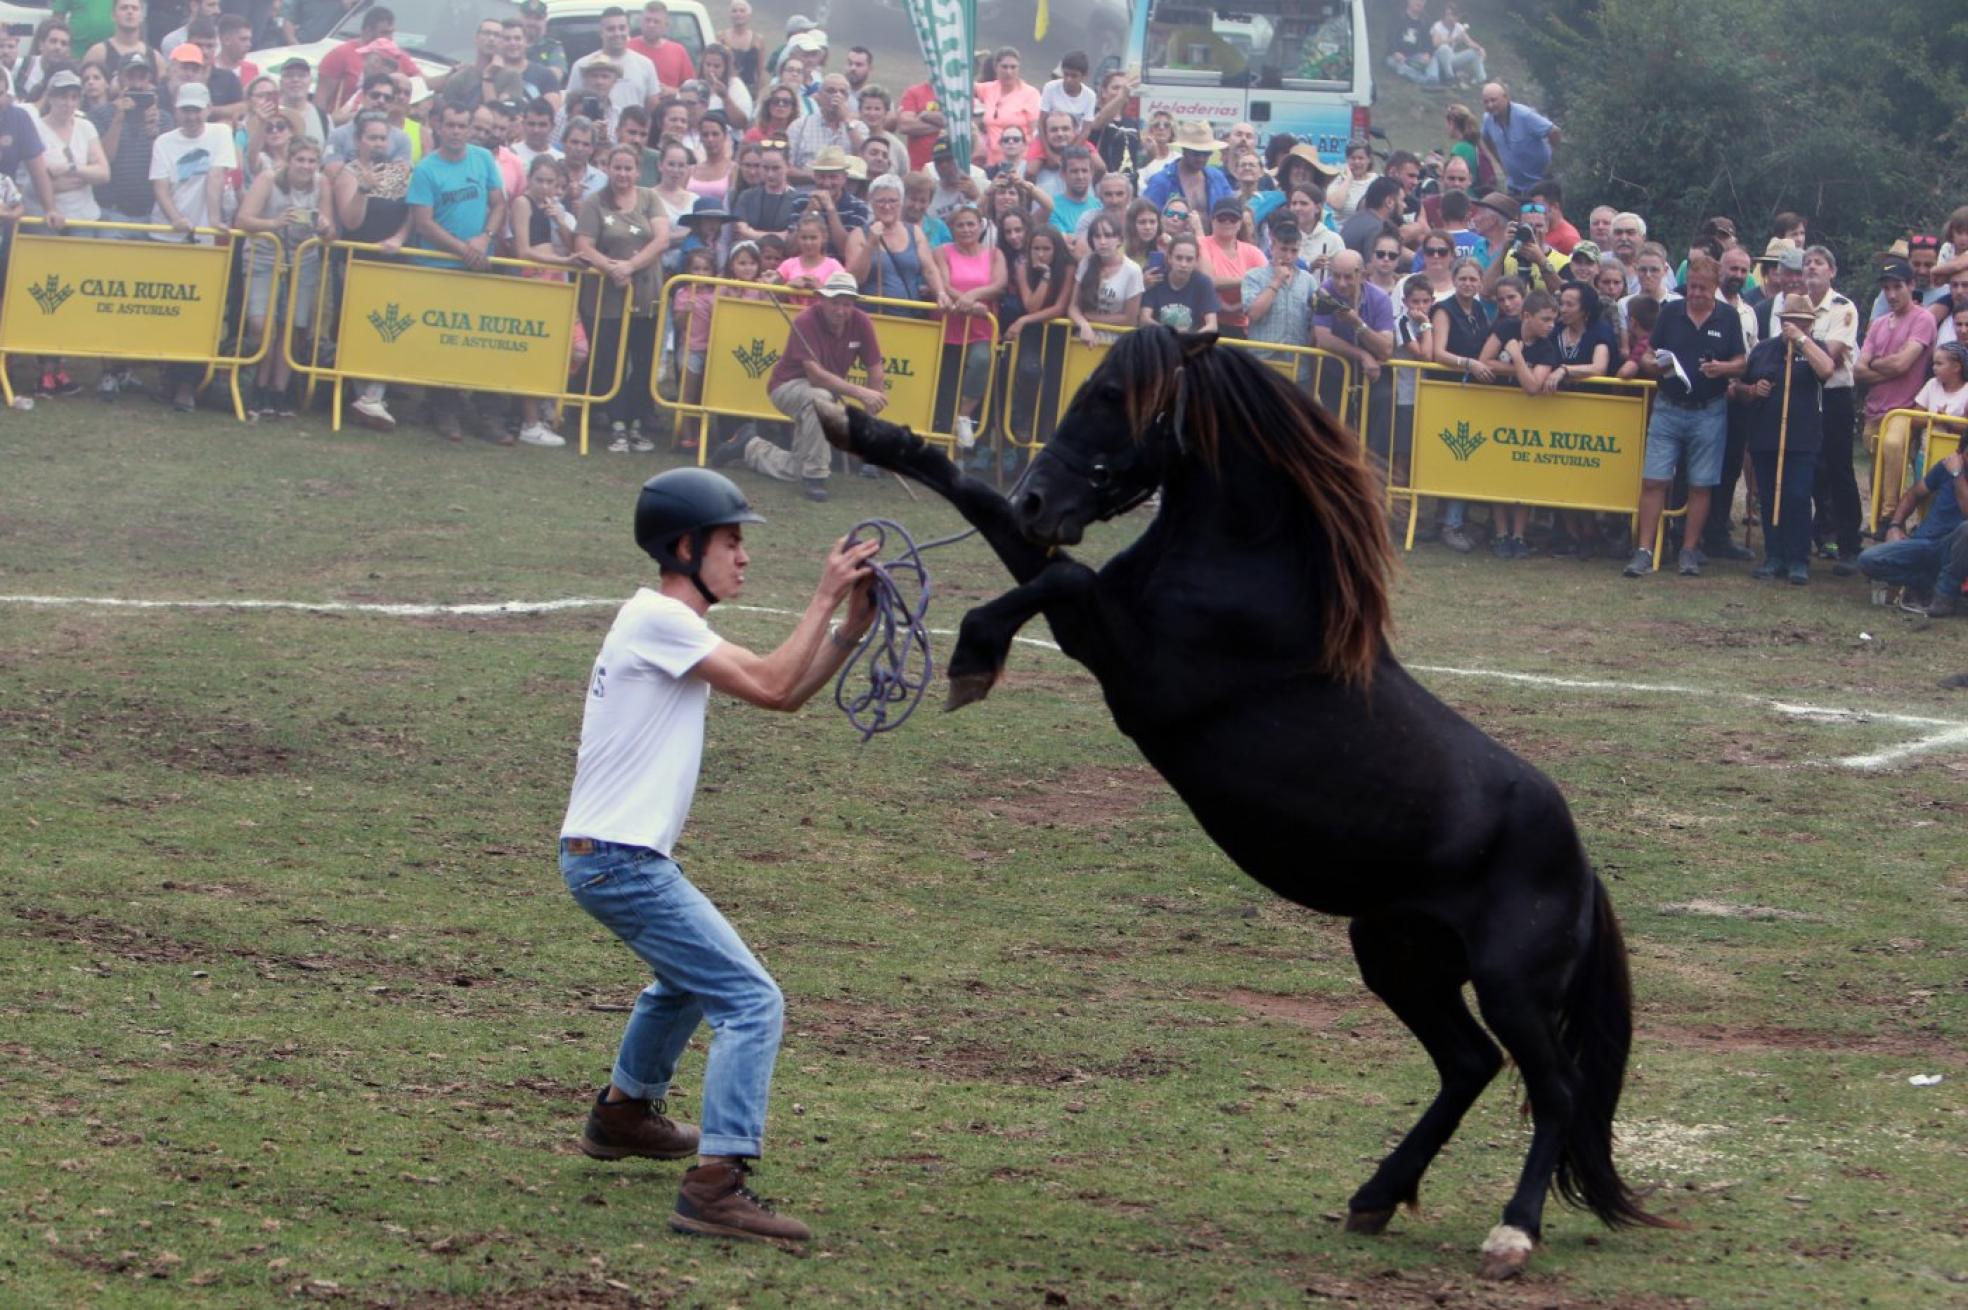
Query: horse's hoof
[[1506, 1253], [968, 688], [833, 422], [1370, 1222]]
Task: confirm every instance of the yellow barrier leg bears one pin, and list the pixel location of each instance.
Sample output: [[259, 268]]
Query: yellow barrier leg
[[335, 406], [238, 401], [703, 440], [584, 427], [6, 383]]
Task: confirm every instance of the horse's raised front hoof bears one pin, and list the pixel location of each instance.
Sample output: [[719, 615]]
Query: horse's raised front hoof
[[968, 688], [1506, 1252], [1370, 1222], [834, 423]]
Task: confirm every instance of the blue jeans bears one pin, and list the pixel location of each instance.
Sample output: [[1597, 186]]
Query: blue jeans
[[1789, 541], [704, 973], [1696, 437], [1428, 74], [1910, 562]]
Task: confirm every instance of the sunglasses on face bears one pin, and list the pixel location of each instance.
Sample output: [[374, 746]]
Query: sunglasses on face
[[773, 145], [1386, 254], [1012, 139], [1435, 251]]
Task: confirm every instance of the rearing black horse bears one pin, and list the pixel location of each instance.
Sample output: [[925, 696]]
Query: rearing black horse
[[1241, 642]]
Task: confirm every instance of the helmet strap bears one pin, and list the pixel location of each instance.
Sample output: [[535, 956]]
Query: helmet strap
[[692, 568]]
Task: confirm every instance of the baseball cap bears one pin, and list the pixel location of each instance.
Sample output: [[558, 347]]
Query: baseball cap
[[1774, 251], [1895, 270], [193, 95], [187, 53], [799, 23], [382, 45], [1227, 205], [840, 284], [1587, 250], [66, 80], [135, 62], [1791, 260], [297, 62], [810, 40], [534, 8], [941, 150]]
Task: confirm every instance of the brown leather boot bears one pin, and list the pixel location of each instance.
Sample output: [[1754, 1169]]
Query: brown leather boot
[[715, 1201], [623, 1128]]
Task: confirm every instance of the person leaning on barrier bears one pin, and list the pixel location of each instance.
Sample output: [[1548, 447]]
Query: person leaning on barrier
[[21, 148], [457, 206], [621, 233], [1929, 561], [290, 203], [824, 343], [372, 206]]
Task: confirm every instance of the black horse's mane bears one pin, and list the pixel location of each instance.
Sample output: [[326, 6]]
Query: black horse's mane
[[1226, 396]]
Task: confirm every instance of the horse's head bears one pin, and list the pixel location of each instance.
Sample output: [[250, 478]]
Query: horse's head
[[1115, 442]]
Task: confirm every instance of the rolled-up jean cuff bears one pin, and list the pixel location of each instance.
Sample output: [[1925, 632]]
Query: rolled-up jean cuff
[[748, 1147], [623, 1079]]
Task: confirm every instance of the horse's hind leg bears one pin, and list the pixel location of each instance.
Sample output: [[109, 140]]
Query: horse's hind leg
[[1416, 966], [1522, 1010]]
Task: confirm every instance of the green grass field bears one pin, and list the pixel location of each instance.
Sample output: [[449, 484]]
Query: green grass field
[[296, 1008]]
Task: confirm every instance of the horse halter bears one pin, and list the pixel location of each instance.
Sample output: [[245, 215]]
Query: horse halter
[[1104, 476]]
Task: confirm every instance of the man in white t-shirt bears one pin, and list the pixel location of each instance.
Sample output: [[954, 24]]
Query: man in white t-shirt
[[1069, 92], [637, 84], [642, 741], [188, 170]]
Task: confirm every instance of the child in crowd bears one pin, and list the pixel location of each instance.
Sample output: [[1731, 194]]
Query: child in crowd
[[693, 312], [1641, 315], [1411, 341], [772, 253], [1068, 93], [1531, 359], [811, 265]]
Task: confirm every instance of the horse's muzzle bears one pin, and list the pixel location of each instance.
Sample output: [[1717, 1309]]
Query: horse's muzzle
[[1041, 522]]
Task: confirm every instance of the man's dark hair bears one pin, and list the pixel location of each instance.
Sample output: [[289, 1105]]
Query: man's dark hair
[[1382, 190], [446, 108], [202, 29], [1539, 301], [1400, 157], [873, 90], [1075, 60], [374, 80], [511, 24], [376, 17], [1071, 153], [862, 50], [613, 11], [539, 105], [233, 22], [1455, 206], [1551, 191], [635, 113], [1286, 230]]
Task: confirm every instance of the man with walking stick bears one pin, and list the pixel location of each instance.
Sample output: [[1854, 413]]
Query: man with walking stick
[[1786, 432]]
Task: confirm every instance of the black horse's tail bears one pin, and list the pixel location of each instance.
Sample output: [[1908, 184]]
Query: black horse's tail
[[1597, 1030]]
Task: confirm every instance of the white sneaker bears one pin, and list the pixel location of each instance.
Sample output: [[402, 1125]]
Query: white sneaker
[[966, 432], [640, 444], [619, 446], [539, 434], [373, 414]]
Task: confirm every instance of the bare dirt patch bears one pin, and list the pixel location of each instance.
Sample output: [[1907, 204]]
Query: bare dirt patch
[[1775, 1037], [918, 1039], [1084, 797], [86, 727], [1320, 1013], [1707, 909]]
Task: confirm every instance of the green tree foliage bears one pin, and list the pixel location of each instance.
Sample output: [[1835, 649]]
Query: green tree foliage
[[1853, 115]]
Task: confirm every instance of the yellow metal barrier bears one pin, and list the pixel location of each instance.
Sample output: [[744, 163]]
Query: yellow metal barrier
[[1574, 449], [1896, 432], [751, 323], [448, 326], [148, 300]]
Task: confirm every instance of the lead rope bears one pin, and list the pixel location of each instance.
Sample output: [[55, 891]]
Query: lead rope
[[894, 655]]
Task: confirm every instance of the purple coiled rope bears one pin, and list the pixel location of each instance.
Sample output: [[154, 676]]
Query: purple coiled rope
[[894, 655]]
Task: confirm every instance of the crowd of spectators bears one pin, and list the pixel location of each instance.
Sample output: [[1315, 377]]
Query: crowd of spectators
[[791, 166]]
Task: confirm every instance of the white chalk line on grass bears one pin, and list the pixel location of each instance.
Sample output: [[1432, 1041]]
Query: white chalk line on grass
[[1945, 734]]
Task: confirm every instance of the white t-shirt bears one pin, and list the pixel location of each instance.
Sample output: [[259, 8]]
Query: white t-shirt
[[184, 161], [635, 86], [1117, 287], [948, 198], [642, 735], [1054, 99], [59, 155], [1936, 399]]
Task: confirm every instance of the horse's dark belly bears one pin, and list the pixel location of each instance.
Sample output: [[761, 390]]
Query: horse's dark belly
[[1343, 810]]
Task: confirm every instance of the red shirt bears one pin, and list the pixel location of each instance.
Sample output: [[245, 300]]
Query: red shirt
[[672, 60], [811, 339], [1561, 236], [341, 70], [917, 99]]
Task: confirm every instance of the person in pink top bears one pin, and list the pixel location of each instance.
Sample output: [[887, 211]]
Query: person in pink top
[[975, 275], [809, 267], [1893, 360], [673, 66], [1010, 101], [1224, 257]]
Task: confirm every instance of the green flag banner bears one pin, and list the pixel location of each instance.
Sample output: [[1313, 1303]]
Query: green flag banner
[[946, 31]]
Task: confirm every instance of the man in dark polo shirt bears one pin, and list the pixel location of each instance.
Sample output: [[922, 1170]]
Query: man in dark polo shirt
[[827, 339], [1698, 347]]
